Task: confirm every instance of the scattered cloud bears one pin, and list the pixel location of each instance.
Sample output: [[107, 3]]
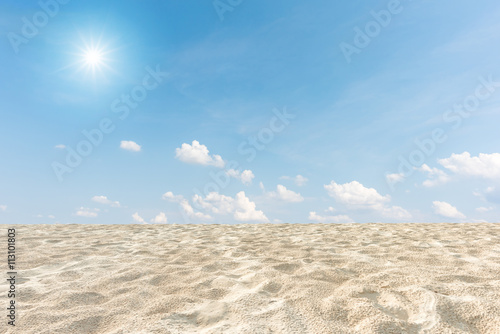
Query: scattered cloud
[[356, 196], [484, 209], [41, 216], [394, 178], [396, 212], [198, 154], [106, 201], [160, 218], [185, 206], [484, 165], [284, 194], [87, 212], [130, 146], [435, 176], [299, 179], [245, 177], [3, 207], [60, 146], [492, 194], [329, 219], [138, 218], [240, 207], [446, 210]]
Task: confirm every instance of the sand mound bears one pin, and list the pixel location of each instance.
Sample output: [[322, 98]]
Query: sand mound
[[314, 278]]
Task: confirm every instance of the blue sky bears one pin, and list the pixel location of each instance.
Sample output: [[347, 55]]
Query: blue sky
[[364, 111]]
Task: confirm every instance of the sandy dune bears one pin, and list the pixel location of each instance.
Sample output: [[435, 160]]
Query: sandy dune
[[314, 278]]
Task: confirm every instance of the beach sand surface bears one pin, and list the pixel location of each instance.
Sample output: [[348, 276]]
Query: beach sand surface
[[263, 278]]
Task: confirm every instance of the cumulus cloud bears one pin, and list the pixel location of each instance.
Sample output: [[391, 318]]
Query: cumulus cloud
[[240, 207], [484, 165], [299, 179], [138, 218], [185, 206], [329, 219], [435, 176], [130, 146], [160, 218], [87, 212], [284, 194], [3, 207], [197, 153], [104, 200], [245, 177], [60, 146], [357, 196], [446, 210]]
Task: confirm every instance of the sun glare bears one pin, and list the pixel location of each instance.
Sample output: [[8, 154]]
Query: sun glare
[[93, 57]]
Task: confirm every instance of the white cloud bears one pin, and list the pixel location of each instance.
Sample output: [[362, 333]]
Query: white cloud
[[329, 219], [245, 177], [240, 207], [446, 210], [87, 212], [106, 201], [160, 218], [484, 165], [394, 178], [51, 216], [436, 176], [3, 207], [285, 194], [185, 206], [357, 196], [245, 209], [299, 179], [396, 212], [138, 218], [484, 209], [198, 154], [130, 146], [60, 146]]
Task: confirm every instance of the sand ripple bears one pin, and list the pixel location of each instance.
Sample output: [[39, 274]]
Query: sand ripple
[[312, 278]]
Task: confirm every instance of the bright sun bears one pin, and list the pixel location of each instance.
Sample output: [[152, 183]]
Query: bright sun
[[93, 57]]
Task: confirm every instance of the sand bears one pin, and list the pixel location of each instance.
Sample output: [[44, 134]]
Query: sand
[[308, 278]]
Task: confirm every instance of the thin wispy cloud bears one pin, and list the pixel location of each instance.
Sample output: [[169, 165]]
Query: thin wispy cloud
[[104, 200]]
